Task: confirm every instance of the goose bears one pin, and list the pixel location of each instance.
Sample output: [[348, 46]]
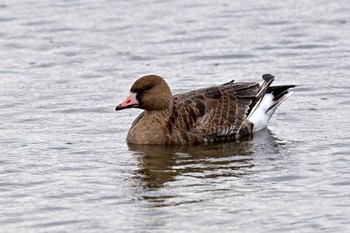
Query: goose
[[220, 113]]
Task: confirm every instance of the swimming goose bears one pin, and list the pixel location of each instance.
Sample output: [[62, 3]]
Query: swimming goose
[[219, 113]]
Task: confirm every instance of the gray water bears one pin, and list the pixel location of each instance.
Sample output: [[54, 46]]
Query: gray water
[[64, 163]]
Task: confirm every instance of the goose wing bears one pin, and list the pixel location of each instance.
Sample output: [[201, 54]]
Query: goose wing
[[213, 112]]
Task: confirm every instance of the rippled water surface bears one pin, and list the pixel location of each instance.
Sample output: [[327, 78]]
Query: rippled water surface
[[65, 166]]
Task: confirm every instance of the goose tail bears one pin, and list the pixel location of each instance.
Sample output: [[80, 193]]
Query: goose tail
[[267, 101]]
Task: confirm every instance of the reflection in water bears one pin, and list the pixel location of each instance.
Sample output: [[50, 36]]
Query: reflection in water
[[161, 165]]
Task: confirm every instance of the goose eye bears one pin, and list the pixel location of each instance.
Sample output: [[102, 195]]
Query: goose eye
[[147, 88]]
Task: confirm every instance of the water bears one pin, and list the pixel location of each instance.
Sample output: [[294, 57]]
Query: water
[[65, 166]]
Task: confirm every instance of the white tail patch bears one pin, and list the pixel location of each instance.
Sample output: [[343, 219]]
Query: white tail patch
[[263, 114]]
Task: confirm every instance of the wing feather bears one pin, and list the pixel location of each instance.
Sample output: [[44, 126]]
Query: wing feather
[[208, 113]]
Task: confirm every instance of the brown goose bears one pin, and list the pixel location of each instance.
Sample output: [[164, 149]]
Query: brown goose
[[219, 113]]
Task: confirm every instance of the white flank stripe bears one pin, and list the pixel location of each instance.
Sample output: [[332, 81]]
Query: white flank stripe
[[260, 118]]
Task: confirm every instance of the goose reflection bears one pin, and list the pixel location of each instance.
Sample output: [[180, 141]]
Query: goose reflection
[[159, 165]]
